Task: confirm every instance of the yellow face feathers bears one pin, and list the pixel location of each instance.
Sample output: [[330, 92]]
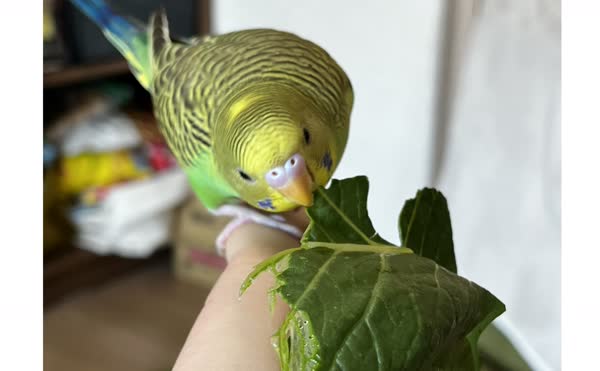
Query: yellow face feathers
[[278, 150]]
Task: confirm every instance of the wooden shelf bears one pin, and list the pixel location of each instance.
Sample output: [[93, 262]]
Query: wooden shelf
[[76, 74], [75, 269]]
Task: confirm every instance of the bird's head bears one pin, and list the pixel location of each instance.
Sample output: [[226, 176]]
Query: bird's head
[[276, 150]]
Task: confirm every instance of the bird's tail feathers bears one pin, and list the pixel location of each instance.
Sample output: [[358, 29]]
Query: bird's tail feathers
[[128, 36]]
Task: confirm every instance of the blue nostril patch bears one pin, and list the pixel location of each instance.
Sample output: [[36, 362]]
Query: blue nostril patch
[[327, 162], [266, 204]]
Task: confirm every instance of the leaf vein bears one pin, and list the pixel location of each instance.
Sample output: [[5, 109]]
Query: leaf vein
[[419, 326], [345, 218], [324, 231], [375, 345], [425, 229], [366, 310], [412, 219], [317, 275]]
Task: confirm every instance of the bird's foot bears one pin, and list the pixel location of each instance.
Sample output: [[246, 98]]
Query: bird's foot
[[243, 214]]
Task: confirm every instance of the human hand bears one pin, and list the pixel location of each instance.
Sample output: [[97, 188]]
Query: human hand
[[259, 240], [232, 333]]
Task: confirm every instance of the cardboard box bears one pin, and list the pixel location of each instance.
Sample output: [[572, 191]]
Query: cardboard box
[[195, 256]]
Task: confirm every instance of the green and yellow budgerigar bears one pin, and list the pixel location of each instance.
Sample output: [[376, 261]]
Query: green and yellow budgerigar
[[257, 115]]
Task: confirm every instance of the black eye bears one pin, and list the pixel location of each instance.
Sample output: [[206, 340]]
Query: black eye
[[306, 136], [245, 176]]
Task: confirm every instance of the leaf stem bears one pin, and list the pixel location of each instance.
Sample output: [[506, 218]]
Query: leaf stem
[[345, 218], [264, 265], [352, 247]]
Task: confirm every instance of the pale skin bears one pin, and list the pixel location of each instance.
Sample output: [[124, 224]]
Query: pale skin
[[233, 333]]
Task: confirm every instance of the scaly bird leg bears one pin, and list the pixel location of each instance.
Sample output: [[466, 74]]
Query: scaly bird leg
[[243, 214]]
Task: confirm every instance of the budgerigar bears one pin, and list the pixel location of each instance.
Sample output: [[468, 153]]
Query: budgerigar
[[259, 115]]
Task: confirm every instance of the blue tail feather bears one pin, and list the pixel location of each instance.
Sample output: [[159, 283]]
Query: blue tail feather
[[99, 12], [128, 36]]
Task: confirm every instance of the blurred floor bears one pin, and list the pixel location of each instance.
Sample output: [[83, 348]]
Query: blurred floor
[[136, 322]]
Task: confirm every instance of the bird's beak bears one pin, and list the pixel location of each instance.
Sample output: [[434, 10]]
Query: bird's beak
[[292, 180], [299, 190], [299, 187]]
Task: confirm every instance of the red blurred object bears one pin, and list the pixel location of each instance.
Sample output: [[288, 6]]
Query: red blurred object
[[159, 156], [158, 153]]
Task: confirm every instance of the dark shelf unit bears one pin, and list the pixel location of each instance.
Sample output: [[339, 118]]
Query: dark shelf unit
[[71, 269], [84, 73]]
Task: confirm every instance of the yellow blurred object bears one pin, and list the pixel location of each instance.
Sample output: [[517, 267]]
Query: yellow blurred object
[[49, 25], [99, 170]]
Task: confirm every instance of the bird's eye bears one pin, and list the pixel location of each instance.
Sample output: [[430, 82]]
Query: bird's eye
[[245, 176], [306, 136]]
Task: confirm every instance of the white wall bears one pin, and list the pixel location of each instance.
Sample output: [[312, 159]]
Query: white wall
[[502, 174], [389, 50], [501, 171]]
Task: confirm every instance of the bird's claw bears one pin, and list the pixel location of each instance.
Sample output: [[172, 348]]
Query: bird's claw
[[244, 214]]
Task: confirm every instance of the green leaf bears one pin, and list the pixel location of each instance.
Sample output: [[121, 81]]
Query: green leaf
[[425, 227], [339, 214], [353, 309], [359, 303]]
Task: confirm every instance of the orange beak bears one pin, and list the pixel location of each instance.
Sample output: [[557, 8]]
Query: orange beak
[[299, 188]]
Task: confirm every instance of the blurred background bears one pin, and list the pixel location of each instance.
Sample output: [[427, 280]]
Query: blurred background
[[460, 95]]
